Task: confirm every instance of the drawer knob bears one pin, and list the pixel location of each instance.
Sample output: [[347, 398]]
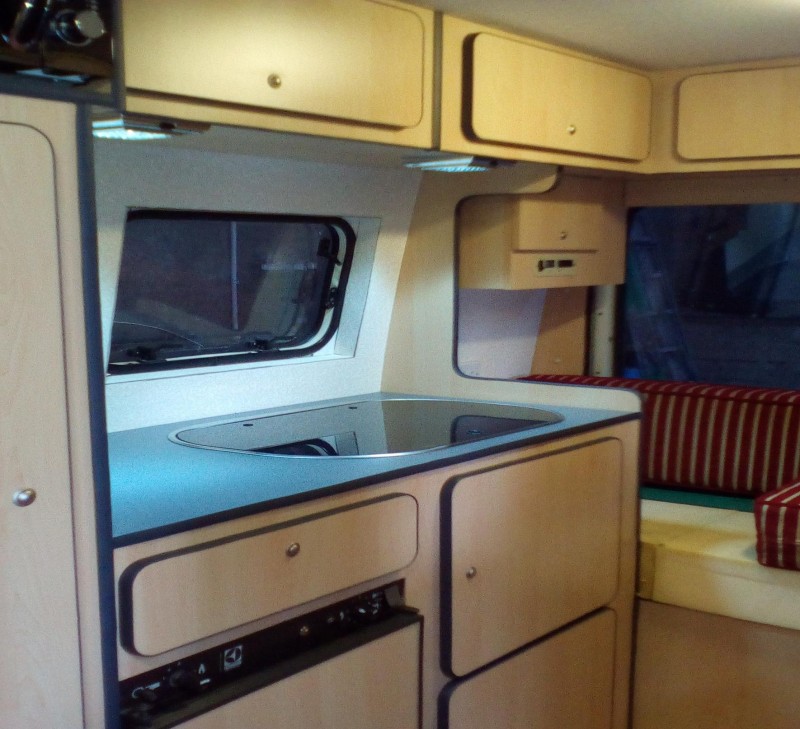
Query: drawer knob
[[571, 129], [274, 81], [25, 497], [472, 572], [293, 549], [563, 235]]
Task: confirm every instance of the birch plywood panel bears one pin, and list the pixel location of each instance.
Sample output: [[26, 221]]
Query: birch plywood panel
[[185, 596], [532, 546], [39, 639]]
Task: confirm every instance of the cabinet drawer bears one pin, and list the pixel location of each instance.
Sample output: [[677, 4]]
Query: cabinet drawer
[[179, 597], [579, 214], [564, 681], [740, 114], [527, 548], [530, 96], [354, 60]]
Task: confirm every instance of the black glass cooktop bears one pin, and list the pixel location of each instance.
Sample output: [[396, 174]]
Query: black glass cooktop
[[369, 428]]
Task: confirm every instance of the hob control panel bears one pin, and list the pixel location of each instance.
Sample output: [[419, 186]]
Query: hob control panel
[[146, 699]]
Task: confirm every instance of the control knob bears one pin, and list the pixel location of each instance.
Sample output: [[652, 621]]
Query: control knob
[[185, 680], [78, 27]]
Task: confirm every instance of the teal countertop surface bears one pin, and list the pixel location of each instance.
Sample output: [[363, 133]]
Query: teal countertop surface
[[161, 487]]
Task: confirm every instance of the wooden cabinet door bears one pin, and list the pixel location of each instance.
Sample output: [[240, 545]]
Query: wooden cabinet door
[[375, 686], [564, 682], [530, 96], [180, 597], [355, 60], [740, 114], [528, 548], [40, 672]]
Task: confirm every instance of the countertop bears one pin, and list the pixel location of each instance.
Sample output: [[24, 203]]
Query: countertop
[[161, 487]]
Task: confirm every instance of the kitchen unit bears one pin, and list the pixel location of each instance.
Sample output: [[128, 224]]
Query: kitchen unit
[[329, 529]]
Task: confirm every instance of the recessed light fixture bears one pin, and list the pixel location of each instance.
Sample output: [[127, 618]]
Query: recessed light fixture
[[137, 129], [454, 163]]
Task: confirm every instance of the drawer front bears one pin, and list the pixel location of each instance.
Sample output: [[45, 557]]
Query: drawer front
[[563, 682], [177, 598], [533, 97], [528, 548], [375, 686], [579, 214], [354, 60]]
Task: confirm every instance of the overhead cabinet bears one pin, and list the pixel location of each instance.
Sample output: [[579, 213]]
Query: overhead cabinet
[[508, 93], [740, 114], [573, 235], [526, 95], [357, 63]]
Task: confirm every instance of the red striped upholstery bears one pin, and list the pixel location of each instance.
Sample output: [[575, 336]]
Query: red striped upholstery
[[720, 438], [777, 524]]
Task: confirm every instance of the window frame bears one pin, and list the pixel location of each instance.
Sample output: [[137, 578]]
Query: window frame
[[346, 237]]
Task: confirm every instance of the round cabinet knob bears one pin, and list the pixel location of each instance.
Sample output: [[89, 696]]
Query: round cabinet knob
[[562, 235], [471, 573], [293, 549], [24, 497], [274, 81], [79, 28], [571, 129]]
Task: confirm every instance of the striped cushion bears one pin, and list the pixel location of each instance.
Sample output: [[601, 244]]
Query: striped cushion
[[719, 438], [777, 525]]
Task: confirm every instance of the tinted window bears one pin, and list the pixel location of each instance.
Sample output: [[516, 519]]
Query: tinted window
[[713, 294], [194, 286]]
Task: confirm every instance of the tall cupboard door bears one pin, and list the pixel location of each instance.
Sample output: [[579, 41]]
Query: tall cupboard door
[[40, 677]]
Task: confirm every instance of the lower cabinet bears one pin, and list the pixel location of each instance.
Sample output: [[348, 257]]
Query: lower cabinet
[[562, 682], [373, 686], [527, 548]]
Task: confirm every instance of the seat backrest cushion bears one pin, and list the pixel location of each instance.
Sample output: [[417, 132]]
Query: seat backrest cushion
[[717, 438]]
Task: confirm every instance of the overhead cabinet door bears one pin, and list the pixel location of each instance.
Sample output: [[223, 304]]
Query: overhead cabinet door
[[740, 114], [352, 60], [522, 94]]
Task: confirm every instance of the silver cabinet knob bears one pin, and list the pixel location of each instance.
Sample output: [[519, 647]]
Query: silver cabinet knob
[[472, 572], [293, 549], [274, 81], [24, 497], [571, 129]]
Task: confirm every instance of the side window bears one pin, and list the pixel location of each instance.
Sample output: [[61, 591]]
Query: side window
[[204, 288], [712, 294]]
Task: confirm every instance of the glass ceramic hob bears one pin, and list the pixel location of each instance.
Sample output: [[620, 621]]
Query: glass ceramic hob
[[369, 428]]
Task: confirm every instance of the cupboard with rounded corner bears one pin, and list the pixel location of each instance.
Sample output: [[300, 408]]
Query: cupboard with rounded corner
[[358, 69], [511, 97]]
